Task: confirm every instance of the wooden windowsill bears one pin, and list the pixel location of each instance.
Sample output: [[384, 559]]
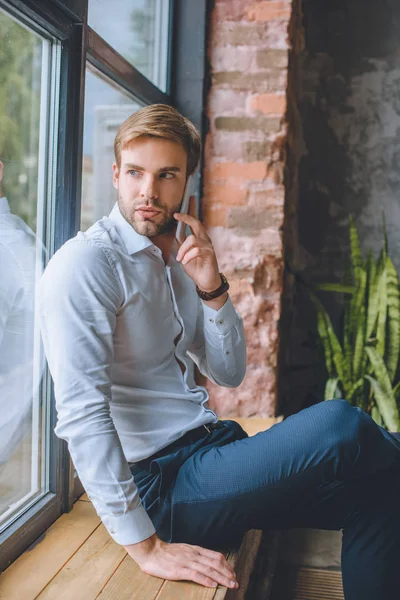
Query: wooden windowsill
[[77, 559]]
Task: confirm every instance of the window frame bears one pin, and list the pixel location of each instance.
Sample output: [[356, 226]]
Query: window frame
[[66, 20]]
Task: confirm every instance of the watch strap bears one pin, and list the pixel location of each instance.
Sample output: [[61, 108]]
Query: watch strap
[[218, 292]]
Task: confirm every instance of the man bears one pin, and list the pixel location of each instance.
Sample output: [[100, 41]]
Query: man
[[125, 316]]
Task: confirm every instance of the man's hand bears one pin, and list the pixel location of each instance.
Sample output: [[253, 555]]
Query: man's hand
[[196, 254], [182, 561]]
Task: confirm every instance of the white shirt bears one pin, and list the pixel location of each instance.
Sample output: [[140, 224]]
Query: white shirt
[[17, 305], [110, 310]]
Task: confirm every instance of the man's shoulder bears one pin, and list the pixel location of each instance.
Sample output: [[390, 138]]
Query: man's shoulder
[[93, 251], [85, 262], [101, 238]]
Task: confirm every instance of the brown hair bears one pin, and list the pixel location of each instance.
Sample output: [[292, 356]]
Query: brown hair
[[163, 121]]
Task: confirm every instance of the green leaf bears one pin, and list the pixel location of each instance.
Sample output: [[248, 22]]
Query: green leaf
[[382, 314], [374, 284], [332, 345], [376, 415], [383, 392], [390, 413], [340, 288], [393, 331], [331, 388], [347, 338], [359, 344], [356, 257], [323, 334], [355, 388], [357, 301], [396, 390]]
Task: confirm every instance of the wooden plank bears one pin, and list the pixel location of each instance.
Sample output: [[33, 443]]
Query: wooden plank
[[243, 562], [87, 572], [30, 573], [185, 590], [84, 498], [253, 425], [130, 583]]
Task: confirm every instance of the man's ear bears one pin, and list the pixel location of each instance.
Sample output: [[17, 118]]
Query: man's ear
[[115, 175], [1, 171]]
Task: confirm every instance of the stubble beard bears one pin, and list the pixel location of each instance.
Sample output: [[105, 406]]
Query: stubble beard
[[165, 222]]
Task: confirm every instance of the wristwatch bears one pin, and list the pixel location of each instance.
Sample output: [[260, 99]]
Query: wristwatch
[[218, 292]]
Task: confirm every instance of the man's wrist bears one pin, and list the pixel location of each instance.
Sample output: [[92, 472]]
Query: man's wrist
[[215, 292], [217, 303], [143, 548]]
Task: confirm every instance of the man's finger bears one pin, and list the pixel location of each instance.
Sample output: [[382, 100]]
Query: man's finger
[[224, 569], [193, 575], [215, 574], [194, 224]]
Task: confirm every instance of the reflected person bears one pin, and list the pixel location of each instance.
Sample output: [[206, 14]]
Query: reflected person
[[17, 297]]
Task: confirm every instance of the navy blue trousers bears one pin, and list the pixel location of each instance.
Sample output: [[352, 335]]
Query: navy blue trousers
[[328, 467]]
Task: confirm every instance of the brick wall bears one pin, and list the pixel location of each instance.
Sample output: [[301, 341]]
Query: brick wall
[[244, 193]]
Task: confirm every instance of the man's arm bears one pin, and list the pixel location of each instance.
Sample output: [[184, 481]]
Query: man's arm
[[79, 298], [219, 345]]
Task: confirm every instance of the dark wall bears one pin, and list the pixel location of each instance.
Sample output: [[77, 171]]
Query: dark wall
[[347, 93]]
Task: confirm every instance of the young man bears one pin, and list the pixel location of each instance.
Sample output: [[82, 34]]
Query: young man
[[125, 315]]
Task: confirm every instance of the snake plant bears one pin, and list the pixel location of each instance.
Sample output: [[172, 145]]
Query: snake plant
[[362, 360]]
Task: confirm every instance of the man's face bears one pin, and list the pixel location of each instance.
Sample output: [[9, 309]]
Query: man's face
[[150, 183]]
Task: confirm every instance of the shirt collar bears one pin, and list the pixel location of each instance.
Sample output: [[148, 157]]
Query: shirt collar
[[133, 240], [4, 206]]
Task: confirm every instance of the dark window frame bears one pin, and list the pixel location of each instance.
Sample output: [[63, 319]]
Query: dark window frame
[[66, 20]]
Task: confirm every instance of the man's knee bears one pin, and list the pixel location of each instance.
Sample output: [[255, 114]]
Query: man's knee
[[342, 422]]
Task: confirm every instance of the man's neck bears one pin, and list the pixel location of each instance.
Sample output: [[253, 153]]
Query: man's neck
[[165, 243]]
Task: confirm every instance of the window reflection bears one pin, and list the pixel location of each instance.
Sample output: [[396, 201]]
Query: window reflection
[[21, 261]]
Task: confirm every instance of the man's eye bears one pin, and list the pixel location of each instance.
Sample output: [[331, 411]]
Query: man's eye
[[132, 172], [167, 175]]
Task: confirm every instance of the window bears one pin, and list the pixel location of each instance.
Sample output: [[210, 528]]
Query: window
[[29, 69], [71, 71], [138, 30]]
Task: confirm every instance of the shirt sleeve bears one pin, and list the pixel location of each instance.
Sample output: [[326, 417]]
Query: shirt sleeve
[[79, 298], [219, 346]]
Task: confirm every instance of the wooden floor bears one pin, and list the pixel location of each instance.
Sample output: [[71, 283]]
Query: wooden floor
[[76, 559]]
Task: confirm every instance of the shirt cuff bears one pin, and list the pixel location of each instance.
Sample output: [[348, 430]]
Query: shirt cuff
[[220, 321], [130, 528]]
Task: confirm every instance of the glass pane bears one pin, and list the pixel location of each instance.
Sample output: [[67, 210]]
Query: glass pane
[[138, 30], [24, 68], [106, 107]]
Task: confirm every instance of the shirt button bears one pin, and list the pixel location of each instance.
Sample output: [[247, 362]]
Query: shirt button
[[227, 352], [221, 322], [211, 320]]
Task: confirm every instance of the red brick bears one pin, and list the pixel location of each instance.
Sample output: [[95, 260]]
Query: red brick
[[268, 11], [262, 35], [215, 216], [228, 194], [222, 99], [237, 170], [268, 103]]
